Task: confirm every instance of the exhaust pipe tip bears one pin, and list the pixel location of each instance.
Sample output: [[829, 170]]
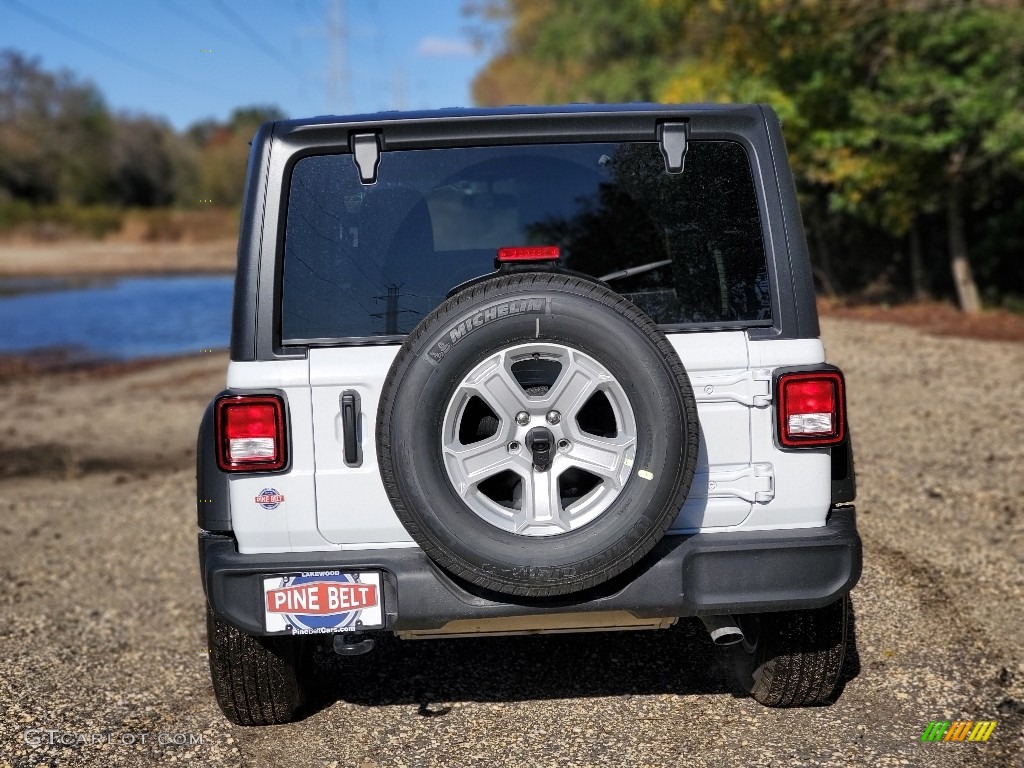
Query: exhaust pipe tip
[[723, 630], [727, 636]]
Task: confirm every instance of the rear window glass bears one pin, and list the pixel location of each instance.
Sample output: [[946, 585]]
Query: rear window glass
[[363, 261]]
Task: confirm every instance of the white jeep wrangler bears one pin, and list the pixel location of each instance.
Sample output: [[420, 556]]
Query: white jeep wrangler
[[524, 370]]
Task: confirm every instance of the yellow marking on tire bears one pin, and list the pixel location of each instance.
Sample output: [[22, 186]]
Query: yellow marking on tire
[[645, 474]]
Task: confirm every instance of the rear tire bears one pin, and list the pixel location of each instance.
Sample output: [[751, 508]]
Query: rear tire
[[792, 658], [257, 680]]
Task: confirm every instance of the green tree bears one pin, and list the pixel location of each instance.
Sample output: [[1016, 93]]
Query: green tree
[[152, 165], [55, 135], [945, 116]]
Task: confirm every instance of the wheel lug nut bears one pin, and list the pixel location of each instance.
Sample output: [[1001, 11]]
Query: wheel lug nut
[[563, 445], [513, 447], [554, 417], [522, 418]]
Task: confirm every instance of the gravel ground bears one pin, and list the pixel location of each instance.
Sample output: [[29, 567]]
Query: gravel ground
[[102, 643]]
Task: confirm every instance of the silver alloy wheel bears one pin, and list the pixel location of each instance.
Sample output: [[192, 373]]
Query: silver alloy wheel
[[593, 442]]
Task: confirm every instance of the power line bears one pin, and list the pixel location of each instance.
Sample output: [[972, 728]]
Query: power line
[[239, 23], [101, 47], [300, 7], [196, 20]]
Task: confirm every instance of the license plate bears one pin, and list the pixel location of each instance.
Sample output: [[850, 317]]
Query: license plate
[[321, 602]]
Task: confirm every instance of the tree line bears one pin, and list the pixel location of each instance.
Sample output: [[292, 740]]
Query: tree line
[[61, 146], [904, 118]]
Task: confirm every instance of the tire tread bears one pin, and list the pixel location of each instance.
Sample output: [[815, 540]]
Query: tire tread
[[256, 680], [798, 658]]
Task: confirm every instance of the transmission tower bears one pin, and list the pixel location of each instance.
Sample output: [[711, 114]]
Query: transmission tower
[[398, 89], [392, 310], [339, 83]]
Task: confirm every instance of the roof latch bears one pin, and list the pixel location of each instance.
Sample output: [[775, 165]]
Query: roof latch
[[366, 154], [672, 137]]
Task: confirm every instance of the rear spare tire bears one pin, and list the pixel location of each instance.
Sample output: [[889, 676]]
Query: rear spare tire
[[537, 434]]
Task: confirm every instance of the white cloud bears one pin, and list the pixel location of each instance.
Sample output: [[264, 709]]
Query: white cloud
[[444, 46]]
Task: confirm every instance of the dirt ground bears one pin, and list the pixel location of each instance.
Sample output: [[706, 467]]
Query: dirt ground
[[935, 317], [103, 658]]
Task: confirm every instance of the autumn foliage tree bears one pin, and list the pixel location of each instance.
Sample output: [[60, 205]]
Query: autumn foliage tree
[[900, 115], [222, 151]]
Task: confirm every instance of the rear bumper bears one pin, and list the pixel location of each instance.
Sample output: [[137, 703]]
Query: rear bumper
[[700, 574]]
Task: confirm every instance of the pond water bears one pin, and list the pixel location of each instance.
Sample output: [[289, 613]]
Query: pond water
[[121, 318]]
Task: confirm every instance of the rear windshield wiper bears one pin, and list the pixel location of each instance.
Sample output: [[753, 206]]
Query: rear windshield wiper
[[634, 270]]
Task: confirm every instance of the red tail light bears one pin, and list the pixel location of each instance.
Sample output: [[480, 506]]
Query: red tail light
[[250, 433], [811, 408], [529, 253]]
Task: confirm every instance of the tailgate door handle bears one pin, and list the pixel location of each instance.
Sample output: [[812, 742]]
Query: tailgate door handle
[[351, 417]]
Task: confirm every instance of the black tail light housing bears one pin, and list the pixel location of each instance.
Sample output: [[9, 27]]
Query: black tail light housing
[[251, 433], [810, 408]]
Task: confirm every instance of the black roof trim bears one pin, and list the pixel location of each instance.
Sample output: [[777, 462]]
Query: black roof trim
[[449, 114], [507, 125]]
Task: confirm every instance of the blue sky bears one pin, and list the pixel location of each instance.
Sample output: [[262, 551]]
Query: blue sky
[[187, 60]]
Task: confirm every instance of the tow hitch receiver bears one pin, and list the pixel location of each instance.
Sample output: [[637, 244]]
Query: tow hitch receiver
[[352, 644]]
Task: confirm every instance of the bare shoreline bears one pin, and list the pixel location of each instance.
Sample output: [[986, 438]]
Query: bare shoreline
[[25, 366], [115, 259]]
